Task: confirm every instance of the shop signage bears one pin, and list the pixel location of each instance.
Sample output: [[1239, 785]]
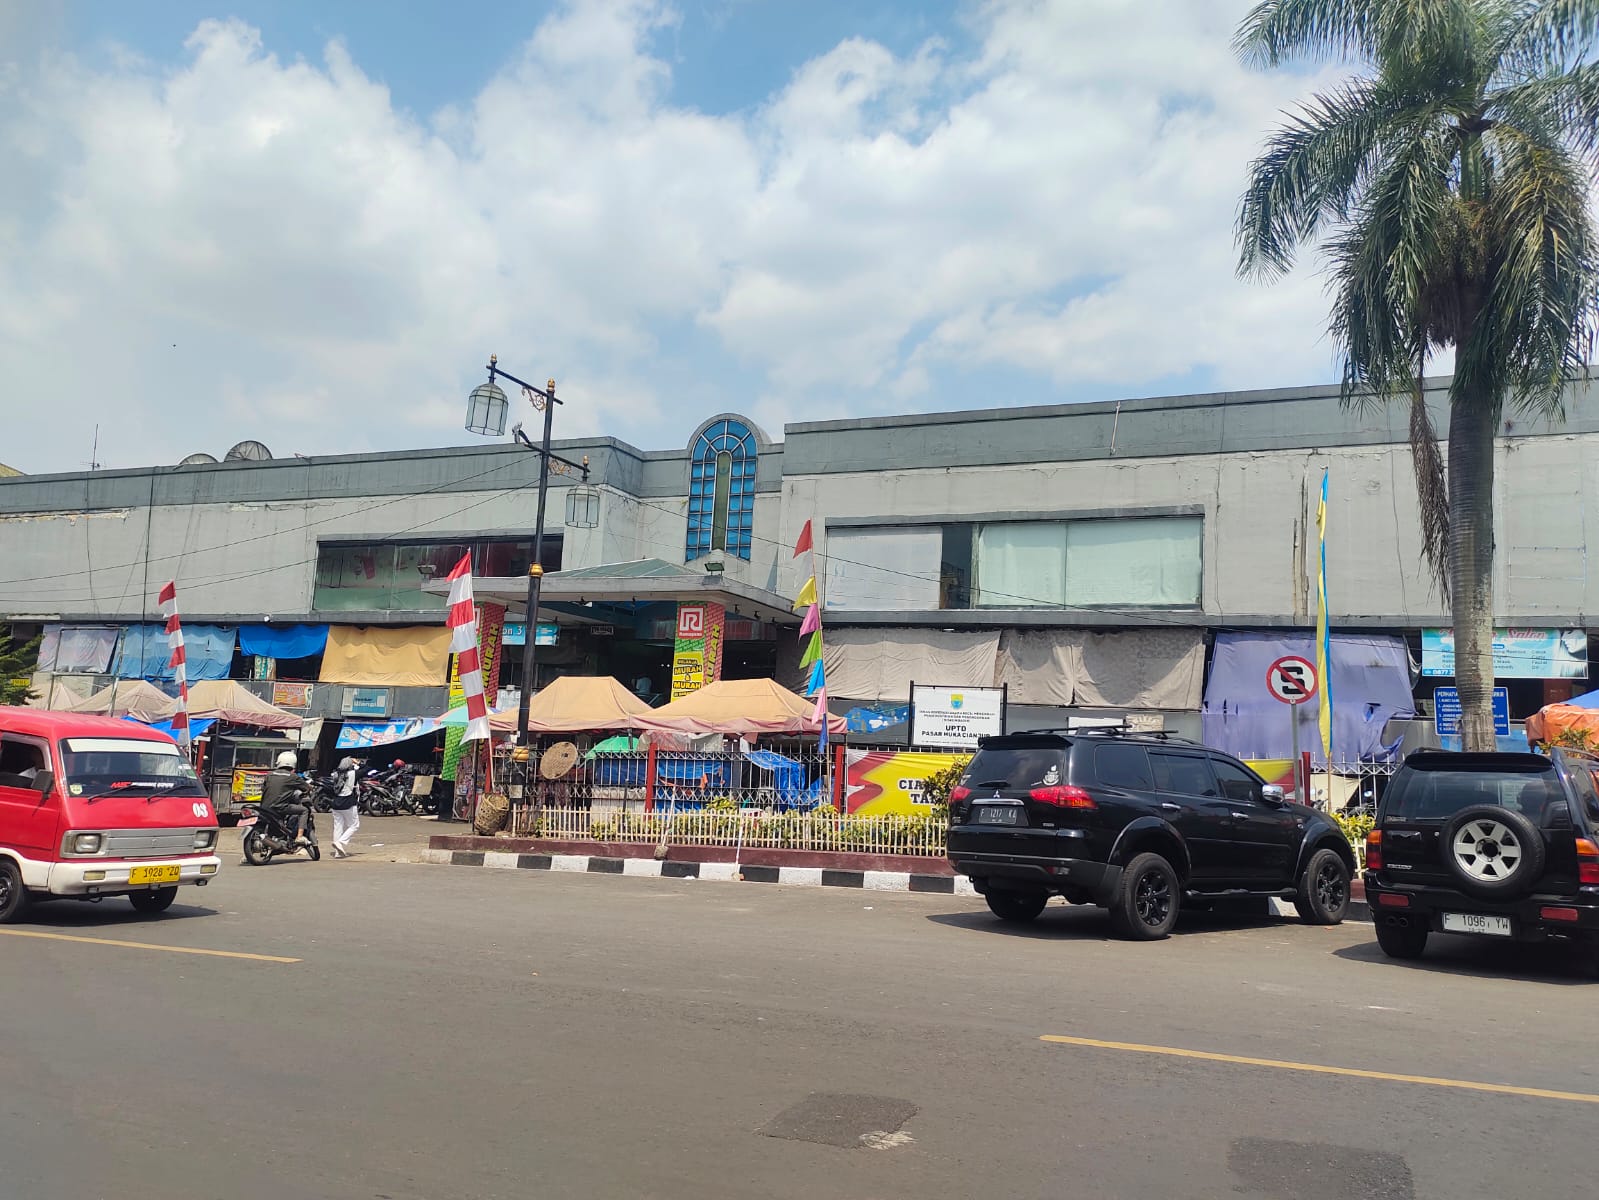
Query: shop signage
[[291, 695], [365, 702], [546, 633], [697, 648], [1446, 711], [955, 716], [1518, 653]]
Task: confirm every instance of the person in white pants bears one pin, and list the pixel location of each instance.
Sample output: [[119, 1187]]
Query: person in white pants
[[346, 814]]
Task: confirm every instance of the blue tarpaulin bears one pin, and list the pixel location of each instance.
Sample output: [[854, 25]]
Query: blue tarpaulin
[[282, 641], [197, 726], [788, 776], [1371, 686], [1586, 700], [870, 718], [143, 652]]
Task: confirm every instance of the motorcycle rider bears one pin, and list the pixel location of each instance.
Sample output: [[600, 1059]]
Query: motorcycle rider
[[283, 793]]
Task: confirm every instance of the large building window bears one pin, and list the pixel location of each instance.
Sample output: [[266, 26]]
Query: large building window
[[721, 491], [390, 576], [1122, 562]]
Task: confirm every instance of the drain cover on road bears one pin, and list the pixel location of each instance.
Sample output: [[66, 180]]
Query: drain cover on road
[[834, 1120]]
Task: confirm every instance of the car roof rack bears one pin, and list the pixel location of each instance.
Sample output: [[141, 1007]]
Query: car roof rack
[[1109, 731]]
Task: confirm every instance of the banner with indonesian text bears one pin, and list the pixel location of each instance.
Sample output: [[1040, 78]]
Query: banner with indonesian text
[[886, 782], [697, 650]]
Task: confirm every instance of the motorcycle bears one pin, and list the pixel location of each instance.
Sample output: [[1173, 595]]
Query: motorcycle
[[373, 799], [265, 834], [323, 790]]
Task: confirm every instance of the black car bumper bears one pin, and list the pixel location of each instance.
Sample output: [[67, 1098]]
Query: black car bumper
[[1532, 918], [1062, 875]]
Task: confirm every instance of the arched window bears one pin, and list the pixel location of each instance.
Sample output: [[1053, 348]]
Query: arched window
[[721, 491]]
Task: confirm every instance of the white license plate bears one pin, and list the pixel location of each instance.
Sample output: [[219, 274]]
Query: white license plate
[[1476, 923], [998, 814]]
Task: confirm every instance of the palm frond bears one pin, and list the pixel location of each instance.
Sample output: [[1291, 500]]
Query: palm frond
[[1536, 326], [1310, 171], [1562, 104], [1442, 34], [1544, 34], [1432, 490], [1275, 31]]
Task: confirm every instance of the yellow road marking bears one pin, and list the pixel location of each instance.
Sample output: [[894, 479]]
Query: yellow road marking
[[94, 941], [1503, 1089]]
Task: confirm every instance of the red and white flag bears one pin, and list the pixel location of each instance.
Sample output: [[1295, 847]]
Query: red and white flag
[[463, 642], [177, 660]]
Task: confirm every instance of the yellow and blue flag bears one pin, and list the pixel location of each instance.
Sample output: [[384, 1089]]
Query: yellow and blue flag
[[1323, 637]]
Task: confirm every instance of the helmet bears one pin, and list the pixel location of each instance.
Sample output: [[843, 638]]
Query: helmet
[[287, 759], [399, 762]]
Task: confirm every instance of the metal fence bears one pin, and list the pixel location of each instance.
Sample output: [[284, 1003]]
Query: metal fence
[[748, 828]]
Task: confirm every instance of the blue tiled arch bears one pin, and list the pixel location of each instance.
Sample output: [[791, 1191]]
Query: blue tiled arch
[[735, 438]]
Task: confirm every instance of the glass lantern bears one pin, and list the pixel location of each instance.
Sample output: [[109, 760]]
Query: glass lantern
[[583, 507], [486, 409]]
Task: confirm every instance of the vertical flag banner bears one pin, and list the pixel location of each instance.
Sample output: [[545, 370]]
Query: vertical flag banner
[[811, 634], [463, 642], [697, 648], [1323, 637], [177, 660]]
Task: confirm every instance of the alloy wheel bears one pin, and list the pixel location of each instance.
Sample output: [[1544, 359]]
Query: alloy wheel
[[1487, 850], [1152, 898]]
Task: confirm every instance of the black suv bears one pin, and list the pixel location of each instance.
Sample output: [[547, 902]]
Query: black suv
[[1497, 845], [1138, 824]]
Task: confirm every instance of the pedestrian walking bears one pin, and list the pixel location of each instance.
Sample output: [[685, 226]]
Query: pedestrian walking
[[346, 813]]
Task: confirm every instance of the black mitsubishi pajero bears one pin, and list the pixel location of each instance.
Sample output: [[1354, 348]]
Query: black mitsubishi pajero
[[1138, 824]]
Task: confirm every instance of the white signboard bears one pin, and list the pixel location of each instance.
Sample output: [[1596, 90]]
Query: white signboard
[[955, 716]]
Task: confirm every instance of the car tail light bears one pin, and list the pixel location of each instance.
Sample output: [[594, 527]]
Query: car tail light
[[1587, 861], [1062, 796], [1558, 914], [1374, 850], [959, 794], [1389, 900]]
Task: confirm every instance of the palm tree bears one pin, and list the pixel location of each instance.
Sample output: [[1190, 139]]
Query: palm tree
[[1447, 183]]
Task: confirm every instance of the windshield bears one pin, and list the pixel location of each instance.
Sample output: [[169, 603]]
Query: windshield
[[102, 766], [1439, 795]]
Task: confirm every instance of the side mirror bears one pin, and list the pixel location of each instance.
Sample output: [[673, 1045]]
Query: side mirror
[[1272, 794], [44, 782]]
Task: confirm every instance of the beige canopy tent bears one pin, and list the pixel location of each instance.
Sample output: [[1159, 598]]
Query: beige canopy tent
[[570, 704], [129, 698], [742, 707], [228, 700]]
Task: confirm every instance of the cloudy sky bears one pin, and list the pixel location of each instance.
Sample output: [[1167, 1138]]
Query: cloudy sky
[[311, 223]]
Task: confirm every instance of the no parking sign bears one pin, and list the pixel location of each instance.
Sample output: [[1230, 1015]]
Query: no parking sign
[[1292, 679]]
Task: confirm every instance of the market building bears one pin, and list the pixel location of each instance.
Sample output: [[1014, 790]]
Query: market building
[[1144, 558]]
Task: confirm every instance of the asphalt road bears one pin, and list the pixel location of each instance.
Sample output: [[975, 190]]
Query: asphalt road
[[456, 1033]]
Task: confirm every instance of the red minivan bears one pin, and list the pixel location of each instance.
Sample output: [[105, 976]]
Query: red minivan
[[92, 807]]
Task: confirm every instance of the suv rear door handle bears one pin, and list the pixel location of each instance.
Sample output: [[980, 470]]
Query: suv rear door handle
[[1169, 806], [1238, 816]]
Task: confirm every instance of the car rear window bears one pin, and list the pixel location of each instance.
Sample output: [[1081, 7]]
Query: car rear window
[[1017, 767], [1429, 795]]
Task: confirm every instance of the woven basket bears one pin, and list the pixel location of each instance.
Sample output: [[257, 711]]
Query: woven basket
[[492, 812]]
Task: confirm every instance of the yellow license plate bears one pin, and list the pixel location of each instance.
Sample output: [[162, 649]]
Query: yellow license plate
[[163, 874]]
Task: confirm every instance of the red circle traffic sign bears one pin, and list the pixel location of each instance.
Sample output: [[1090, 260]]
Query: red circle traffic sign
[[1292, 679]]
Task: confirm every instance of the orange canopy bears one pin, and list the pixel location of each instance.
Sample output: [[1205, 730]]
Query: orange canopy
[[1552, 720], [576, 703], [130, 697], [741, 706]]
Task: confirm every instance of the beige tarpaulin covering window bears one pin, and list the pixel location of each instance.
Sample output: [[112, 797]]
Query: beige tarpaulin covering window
[[376, 656], [740, 706], [131, 698], [1140, 668], [576, 703], [228, 700], [871, 663]]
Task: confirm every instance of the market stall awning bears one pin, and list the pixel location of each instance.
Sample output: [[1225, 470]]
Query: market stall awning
[[228, 700], [571, 704], [741, 706], [132, 698]]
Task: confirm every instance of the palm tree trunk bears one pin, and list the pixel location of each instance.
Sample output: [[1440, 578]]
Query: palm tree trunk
[[1473, 424]]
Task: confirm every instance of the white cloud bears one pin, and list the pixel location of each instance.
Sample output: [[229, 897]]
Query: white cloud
[[239, 245]]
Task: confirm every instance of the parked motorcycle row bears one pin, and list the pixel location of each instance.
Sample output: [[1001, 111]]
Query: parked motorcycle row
[[378, 793]]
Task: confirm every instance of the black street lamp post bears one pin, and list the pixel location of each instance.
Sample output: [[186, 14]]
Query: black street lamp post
[[488, 403]]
